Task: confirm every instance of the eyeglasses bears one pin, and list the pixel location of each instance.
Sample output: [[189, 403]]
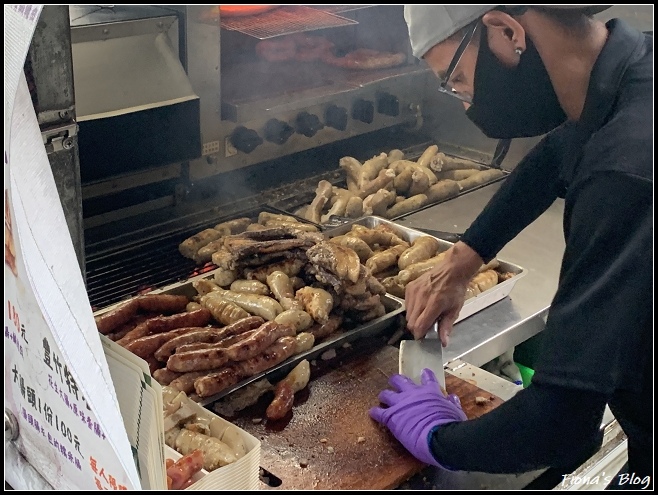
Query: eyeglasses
[[445, 87]]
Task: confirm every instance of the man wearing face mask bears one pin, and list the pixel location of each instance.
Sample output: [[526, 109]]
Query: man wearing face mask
[[526, 71]]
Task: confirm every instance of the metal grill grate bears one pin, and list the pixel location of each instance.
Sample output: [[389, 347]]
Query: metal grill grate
[[119, 274], [337, 9], [287, 19]]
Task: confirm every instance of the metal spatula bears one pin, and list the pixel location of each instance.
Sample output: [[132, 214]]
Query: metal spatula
[[424, 353]]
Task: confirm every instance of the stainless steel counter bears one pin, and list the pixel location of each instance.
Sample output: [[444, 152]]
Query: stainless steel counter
[[538, 249]]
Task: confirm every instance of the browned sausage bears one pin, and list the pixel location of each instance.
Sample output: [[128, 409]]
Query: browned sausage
[[200, 360], [214, 382], [264, 337], [185, 382], [122, 330], [146, 346], [120, 315], [284, 397], [164, 376], [319, 331], [197, 318], [141, 330], [211, 335], [278, 352], [163, 303]]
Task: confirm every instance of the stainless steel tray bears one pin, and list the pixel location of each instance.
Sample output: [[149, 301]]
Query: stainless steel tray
[[394, 309], [293, 203], [472, 305]]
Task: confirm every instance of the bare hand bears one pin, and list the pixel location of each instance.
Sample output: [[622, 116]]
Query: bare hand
[[438, 295]]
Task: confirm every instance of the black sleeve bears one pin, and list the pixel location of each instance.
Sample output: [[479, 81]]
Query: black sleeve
[[541, 426], [524, 195], [599, 330]]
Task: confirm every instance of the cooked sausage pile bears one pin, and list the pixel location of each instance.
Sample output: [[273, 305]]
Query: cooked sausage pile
[[396, 262], [387, 185], [276, 292], [200, 247], [205, 442]]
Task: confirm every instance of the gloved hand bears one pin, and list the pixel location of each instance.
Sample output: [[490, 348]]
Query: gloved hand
[[415, 410]]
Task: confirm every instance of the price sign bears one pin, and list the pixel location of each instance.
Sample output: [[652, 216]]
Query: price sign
[[57, 383]]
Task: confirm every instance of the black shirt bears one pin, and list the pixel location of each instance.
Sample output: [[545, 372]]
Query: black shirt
[[598, 342]]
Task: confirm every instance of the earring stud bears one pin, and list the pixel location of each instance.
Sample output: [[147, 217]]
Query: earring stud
[[518, 51]]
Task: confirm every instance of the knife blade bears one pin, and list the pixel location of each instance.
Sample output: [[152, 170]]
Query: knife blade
[[415, 355]]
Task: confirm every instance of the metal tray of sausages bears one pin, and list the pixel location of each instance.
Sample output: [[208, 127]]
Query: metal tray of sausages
[[291, 205], [472, 305], [394, 309]]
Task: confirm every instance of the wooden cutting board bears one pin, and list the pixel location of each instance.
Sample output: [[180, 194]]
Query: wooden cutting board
[[328, 441]]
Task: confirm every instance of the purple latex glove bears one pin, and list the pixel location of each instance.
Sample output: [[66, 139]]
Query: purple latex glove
[[415, 410]]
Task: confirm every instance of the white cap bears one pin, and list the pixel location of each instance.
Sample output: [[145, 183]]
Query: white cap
[[431, 24]]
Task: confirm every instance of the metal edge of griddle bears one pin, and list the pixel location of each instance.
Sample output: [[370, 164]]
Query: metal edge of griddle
[[481, 301], [369, 329]]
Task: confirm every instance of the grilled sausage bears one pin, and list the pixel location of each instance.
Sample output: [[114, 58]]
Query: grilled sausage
[[385, 259], [223, 311], [120, 315], [139, 331], [290, 267], [210, 335], [146, 346], [426, 157], [317, 302], [197, 318], [442, 190], [214, 382], [190, 246], [480, 178], [278, 352], [406, 206], [164, 376], [236, 226], [412, 272], [304, 342], [163, 303], [263, 306], [422, 248], [185, 382], [280, 285], [459, 174], [299, 320], [265, 336], [284, 397], [123, 330], [184, 468], [485, 280], [250, 287], [203, 359]]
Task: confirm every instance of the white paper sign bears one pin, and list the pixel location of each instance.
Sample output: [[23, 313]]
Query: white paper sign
[[57, 383]]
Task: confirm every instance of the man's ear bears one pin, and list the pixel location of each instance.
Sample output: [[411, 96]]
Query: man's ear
[[505, 36]]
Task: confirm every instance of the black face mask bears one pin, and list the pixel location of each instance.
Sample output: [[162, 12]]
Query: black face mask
[[513, 102]]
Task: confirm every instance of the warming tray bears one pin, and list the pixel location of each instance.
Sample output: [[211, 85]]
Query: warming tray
[[394, 309], [472, 305], [292, 203]]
